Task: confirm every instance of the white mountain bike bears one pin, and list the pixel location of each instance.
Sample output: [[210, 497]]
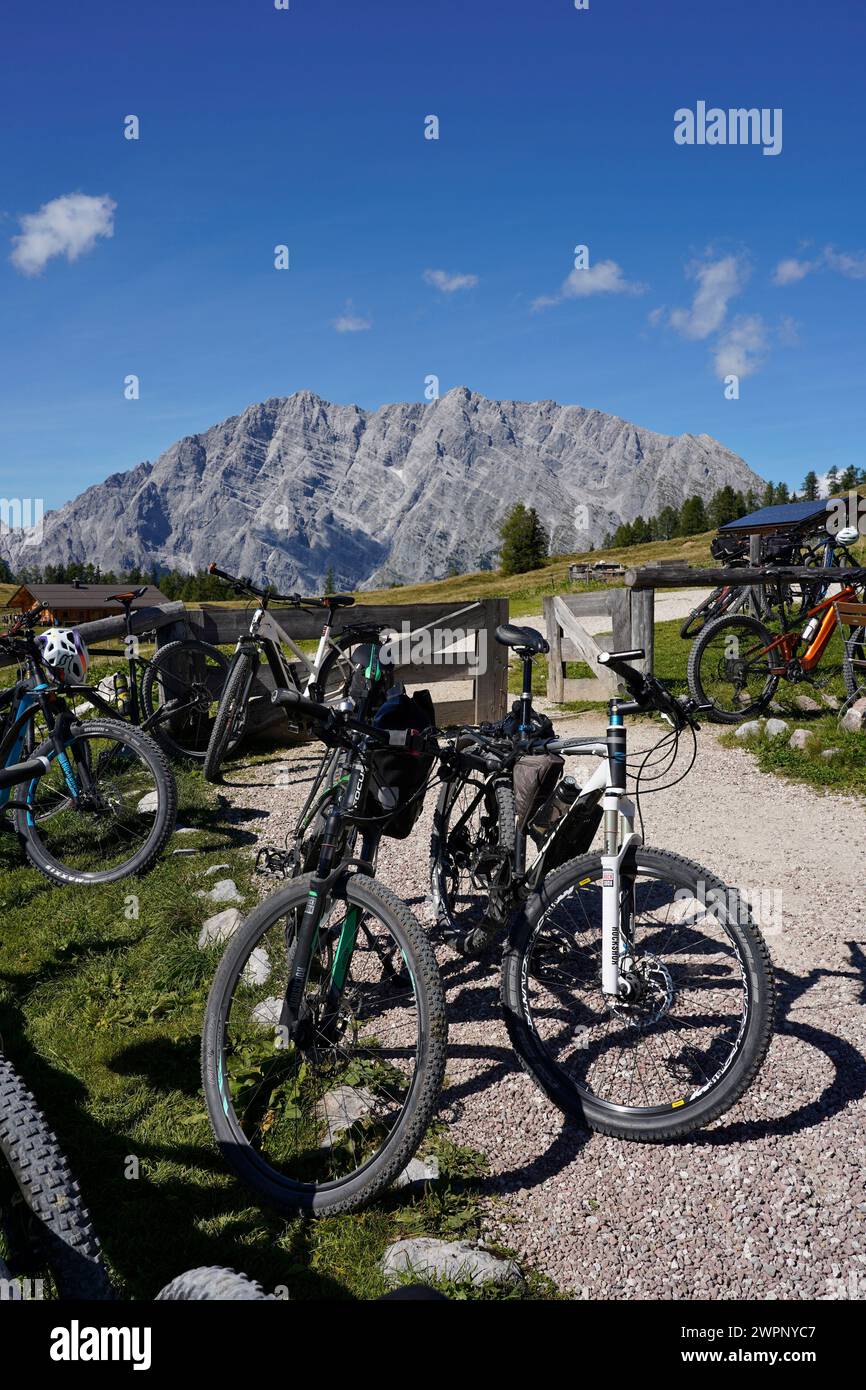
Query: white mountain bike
[[324, 677]]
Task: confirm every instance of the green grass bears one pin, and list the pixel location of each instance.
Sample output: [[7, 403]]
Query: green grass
[[102, 993]]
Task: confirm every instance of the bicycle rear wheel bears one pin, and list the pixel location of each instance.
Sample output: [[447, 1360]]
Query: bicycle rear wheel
[[325, 1123], [104, 810], [471, 845], [731, 670], [692, 1037], [180, 694]]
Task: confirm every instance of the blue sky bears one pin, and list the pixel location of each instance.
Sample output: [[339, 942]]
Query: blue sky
[[306, 127]]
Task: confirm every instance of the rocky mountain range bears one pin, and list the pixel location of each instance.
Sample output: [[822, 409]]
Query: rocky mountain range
[[296, 485]]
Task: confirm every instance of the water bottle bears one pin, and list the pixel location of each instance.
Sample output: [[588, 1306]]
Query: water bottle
[[121, 692], [563, 796]]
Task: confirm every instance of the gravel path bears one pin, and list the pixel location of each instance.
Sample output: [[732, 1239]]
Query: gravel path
[[768, 1203]]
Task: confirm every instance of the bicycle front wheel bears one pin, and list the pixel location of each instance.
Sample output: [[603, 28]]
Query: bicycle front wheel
[[231, 715], [180, 695], [325, 1122], [104, 810], [692, 1036]]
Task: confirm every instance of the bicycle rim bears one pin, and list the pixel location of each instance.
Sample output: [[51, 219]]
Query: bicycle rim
[[314, 1117], [113, 815], [672, 1050]]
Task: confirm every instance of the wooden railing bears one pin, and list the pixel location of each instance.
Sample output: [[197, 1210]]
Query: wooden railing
[[479, 662]]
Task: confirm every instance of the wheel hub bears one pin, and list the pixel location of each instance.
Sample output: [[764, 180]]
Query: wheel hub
[[649, 992]]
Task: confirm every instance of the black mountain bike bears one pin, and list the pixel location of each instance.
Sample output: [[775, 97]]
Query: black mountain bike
[[323, 1050], [105, 801], [324, 678], [173, 696], [487, 821]]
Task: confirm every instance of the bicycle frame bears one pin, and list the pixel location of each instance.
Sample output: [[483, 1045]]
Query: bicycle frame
[[27, 699], [620, 840], [348, 797], [788, 642]]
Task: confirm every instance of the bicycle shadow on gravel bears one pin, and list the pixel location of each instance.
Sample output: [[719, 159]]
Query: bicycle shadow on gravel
[[848, 1063], [472, 989]]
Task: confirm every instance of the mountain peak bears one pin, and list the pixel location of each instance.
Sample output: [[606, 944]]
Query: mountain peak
[[296, 486]]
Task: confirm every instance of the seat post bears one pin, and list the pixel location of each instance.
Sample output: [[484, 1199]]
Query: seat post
[[526, 695]]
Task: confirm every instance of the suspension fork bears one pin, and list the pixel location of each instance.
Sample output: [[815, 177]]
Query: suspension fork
[[617, 865]]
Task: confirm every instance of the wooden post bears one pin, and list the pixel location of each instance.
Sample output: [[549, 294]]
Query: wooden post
[[754, 560], [642, 625], [491, 686], [555, 670]]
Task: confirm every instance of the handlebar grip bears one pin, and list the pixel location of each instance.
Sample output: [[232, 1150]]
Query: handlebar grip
[[16, 773], [293, 699]]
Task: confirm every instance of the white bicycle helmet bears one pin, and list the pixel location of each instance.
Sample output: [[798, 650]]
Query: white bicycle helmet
[[64, 653]]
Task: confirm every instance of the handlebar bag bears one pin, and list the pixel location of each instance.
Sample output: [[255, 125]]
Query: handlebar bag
[[535, 777], [727, 548], [397, 775]]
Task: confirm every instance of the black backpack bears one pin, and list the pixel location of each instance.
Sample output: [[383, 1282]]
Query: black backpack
[[397, 775]]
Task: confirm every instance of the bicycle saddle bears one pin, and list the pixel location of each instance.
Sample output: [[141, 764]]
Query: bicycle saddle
[[338, 600], [127, 596], [526, 638]]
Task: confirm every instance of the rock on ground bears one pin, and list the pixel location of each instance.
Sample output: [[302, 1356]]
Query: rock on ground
[[444, 1259], [225, 890], [217, 929]]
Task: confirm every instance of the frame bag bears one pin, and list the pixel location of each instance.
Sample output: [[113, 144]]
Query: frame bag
[[398, 776]]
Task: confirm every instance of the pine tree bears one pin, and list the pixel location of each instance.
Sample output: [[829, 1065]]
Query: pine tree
[[524, 541], [693, 516], [330, 585], [810, 486]]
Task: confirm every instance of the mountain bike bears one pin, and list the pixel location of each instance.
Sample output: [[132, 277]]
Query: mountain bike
[[736, 663], [637, 990], [47, 1240], [173, 695], [780, 601], [105, 801], [323, 1048], [324, 679]]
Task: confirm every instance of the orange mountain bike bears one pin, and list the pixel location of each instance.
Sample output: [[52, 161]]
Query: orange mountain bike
[[736, 663]]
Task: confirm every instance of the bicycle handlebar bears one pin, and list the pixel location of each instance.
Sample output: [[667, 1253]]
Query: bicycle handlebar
[[241, 585], [16, 773], [333, 720]]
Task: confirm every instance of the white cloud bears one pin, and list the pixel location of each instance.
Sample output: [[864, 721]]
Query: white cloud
[[854, 267], [350, 322], [604, 277], [788, 331], [790, 270], [446, 282], [67, 226], [718, 282], [741, 349]]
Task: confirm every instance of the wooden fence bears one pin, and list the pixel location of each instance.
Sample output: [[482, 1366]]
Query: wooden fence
[[475, 659], [631, 618]]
